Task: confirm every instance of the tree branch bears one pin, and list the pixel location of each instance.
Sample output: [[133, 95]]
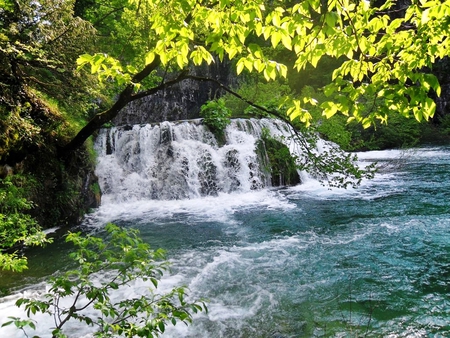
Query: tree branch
[[162, 86], [232, 92], [100, 119], [114, 10]]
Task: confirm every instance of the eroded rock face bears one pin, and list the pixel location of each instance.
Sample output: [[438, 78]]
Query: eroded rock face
[[442, 71], [179, 102]]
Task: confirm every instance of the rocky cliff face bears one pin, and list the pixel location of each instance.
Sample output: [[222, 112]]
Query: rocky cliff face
[[442, 71], [179, 102]]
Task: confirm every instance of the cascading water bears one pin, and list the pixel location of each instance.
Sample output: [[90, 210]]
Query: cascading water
[[183, 160]]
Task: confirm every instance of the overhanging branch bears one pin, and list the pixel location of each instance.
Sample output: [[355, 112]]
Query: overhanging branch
[[232, 92]]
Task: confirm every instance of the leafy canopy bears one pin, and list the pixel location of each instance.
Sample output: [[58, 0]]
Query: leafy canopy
[[385, 57]]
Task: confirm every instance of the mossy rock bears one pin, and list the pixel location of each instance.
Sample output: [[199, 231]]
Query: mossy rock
[[279, 162]]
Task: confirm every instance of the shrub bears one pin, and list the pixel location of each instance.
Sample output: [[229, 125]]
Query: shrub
[[17, 228], [120, 259], [215, 115]]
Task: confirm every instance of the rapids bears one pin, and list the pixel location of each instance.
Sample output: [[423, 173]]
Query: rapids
[[305, 261]]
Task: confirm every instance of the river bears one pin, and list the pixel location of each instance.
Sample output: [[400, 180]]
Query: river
[[305, 261]]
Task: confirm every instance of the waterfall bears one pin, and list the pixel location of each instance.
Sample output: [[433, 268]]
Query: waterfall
[[183, 160]]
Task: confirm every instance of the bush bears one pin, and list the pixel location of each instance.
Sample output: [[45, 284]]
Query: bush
[[215, 115], [282, 165], [17, 229], [120, 259]]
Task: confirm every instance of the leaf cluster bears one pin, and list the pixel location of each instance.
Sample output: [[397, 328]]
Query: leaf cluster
[[17, 228], [399, 131], [216, 116], [103, 267], [39, 44]]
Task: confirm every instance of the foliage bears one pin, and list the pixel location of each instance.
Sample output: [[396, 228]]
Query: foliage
[[17, 130], [105, 266], [445, 123], [385, 56], [328, 163], [39, 43], [16, 227], [324, 161], [334, 129], [399, 131], [216, 115], [268, 95]]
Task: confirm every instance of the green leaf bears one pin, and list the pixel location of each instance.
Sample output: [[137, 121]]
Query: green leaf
[[275, 38], [432, 81], [331, 19], [240, 66], [429, 108], [96, 62], [83, 59], [149, 57], [286, 40], [154, 282], [282, 69], [180, 61], [329, 109]]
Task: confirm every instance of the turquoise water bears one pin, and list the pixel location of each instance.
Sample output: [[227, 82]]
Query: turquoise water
[[308, 261]]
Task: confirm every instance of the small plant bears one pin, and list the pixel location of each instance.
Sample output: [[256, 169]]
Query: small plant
[[17, 229], [120, 259], [216, 115]]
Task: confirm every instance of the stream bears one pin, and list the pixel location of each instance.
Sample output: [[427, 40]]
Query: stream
[[304, 261]]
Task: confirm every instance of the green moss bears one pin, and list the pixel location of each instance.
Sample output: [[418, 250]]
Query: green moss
[[95, 188], [280, 163]]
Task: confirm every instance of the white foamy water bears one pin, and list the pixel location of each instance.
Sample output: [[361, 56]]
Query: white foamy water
[[211, 208], [176, 161]]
